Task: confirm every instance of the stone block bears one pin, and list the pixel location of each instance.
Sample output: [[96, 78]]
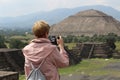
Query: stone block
[[7, 75]]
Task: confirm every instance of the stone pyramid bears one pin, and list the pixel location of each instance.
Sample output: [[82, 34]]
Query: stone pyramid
[[88, 22]]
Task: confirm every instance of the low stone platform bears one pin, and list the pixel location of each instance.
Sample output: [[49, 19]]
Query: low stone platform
[[11, 60], [7, 75]]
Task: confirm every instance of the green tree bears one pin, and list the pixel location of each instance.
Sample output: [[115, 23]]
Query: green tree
[[68, 39], [2, 42], [15, 43]]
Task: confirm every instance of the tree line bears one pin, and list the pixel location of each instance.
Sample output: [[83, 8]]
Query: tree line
[[6, 42], [11, 43], [95, 38]]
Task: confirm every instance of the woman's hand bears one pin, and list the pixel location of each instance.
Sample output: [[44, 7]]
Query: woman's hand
[[60, 42]]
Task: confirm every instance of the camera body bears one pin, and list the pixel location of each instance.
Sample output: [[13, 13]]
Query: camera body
[[53, 39]]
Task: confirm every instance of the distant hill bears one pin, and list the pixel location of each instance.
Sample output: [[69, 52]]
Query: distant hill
[[88, 22], [52, 17]]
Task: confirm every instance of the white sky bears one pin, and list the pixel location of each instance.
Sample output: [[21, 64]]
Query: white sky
[[9, 8]]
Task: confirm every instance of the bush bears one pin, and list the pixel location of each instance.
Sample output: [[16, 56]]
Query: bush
[[15, 43], [2, 42]]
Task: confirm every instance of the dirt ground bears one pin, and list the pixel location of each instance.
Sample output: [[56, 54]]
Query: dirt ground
[[112, 66], [87, 77]]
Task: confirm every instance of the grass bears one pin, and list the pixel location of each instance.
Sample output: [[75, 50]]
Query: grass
[[22, 77], [70, 45], [117, 46], [92, 67]]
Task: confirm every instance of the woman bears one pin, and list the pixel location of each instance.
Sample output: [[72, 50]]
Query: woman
[[41, 49]]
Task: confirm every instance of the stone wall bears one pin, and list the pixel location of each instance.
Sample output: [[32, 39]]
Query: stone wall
[[91, 50], [11, 60], [5, 75]]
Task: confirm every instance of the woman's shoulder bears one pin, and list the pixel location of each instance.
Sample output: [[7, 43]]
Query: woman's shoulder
[[51, 46]]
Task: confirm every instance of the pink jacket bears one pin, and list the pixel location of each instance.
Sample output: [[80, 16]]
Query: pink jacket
[[38, 50]]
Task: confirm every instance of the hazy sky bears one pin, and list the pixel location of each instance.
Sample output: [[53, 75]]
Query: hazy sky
[[10, 8]]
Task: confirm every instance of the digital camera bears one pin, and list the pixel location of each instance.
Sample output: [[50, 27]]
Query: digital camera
[[53, 39]]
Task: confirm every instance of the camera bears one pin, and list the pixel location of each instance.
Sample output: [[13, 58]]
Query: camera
[[53, 39]]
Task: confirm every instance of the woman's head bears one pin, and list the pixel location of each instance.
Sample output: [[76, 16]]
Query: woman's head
[[40, 29]]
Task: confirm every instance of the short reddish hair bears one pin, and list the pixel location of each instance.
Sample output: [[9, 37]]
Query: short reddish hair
[[40, 29]]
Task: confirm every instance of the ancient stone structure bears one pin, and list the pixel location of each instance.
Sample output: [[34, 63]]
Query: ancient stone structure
[[11, 60], [88, 23], [92, 50], [5, 75]]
